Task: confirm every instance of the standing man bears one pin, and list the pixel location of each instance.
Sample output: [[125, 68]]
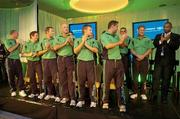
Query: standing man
[[64, 48], [166, 43], [49, 64], [85, 48], [125, 53], [14, 67], [112, 64], [140, 47], [31, 50]]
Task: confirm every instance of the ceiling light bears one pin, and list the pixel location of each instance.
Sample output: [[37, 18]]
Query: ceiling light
[[98, 6]]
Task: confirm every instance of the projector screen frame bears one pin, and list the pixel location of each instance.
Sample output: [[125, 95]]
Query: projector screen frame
[[146, 22], [86, 23]]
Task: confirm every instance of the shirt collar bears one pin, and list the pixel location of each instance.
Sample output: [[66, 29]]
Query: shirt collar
[[60, 35], [89, 38], [33, 42], [168, 33], [110, 34], [142, 38], [49, 39]]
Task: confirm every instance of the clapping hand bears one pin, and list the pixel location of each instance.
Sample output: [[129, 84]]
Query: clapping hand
[[84, 38]]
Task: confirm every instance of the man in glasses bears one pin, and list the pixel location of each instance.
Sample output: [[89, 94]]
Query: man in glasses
[[125, 53]]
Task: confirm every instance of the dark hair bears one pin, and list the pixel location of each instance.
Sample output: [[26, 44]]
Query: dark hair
[[12, 31], [123, 28], [112, 23], [141, 26], [32, 33], [168, 23], [85, 27], [47, 28]]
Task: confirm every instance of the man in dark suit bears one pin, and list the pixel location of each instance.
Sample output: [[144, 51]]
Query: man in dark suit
[[166, 44]]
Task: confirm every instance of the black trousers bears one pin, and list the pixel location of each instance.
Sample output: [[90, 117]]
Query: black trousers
[[50, 76], [164, 72], [35, 67], [113, 69], [14, 69], [86, 72], [66, 69], [127, 70], [140, 68], [3, 74]]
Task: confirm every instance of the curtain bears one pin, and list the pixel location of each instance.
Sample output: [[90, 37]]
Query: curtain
[[47, 19], [23, 20]]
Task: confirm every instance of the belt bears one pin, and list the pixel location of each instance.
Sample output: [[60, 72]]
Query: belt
[[65, 56], [122, 54], [115, 60]]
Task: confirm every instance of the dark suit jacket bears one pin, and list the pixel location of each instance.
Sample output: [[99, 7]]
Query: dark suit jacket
[[169, 49], [2, 52]]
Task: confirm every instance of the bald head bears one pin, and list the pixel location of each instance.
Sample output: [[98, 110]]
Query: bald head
[[167, 27], [64, 28]]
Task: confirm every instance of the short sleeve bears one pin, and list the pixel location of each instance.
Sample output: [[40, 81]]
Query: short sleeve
[[76, 42], [95, 43], [42, 43], [128, 41], [58, 40], [150, 44], [131, 44], [25, 48], [7, 44], [104, 40], [39, 47]]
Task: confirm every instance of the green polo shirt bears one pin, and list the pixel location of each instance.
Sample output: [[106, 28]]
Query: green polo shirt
[[49, 54], [140, 46], [85, 54], [10, 43], [32, 47], [107, 38], [66, 50], [124, 50]]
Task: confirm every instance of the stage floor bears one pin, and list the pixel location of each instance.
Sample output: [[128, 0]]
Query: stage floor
[[40, 109]]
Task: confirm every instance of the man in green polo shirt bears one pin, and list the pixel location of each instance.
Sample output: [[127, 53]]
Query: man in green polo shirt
[[85, 48], [64, 48], [140, 47], [30, 50], [112, 64], [49, 62], [125, 53], [14, 67]]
